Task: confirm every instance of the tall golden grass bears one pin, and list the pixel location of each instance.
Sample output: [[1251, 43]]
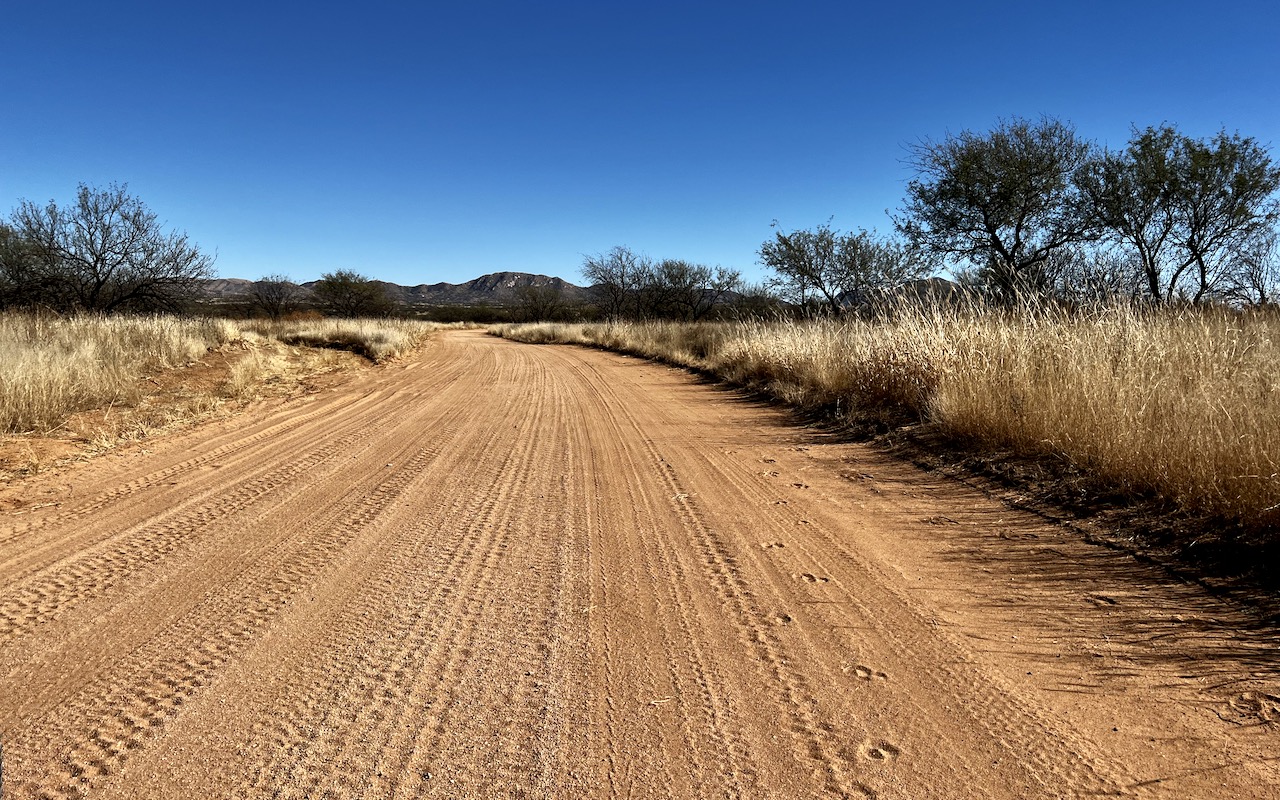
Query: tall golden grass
[[52, 367], [1184, 405]]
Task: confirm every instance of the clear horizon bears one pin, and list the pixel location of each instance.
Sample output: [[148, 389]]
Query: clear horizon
[[445, 142]]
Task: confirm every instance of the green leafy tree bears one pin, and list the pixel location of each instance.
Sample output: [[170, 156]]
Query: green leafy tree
[[1223, 197], [1004, 201], [1190, 211]]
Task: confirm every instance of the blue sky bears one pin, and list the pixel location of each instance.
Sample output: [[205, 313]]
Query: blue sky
[[425, 142]]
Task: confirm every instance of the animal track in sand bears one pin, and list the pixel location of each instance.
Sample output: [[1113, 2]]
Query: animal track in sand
[[865, 673], [881, 751]]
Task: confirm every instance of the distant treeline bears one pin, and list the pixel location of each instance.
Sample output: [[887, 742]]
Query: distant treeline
[[1028, 212]]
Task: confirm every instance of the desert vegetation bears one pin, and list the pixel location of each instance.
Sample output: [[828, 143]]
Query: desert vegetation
[[1183, 405], [1028, 213], [53, 366], [106, 252], [1113, 310], [376, 339]]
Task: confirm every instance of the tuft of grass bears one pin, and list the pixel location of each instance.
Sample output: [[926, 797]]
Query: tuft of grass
[[1180, 404]]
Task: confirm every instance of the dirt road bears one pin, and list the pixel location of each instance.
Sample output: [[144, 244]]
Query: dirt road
[[504, 570]]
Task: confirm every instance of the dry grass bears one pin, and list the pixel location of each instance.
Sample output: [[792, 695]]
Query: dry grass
[[1183, 405], [53, 367], [376, 339]]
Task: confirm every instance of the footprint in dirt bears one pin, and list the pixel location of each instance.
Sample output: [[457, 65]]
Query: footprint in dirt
[[809, 577], [881, 751], [864, 673], [1256, 706]]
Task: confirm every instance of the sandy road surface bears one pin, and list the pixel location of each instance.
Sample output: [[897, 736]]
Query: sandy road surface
[[502, 570]]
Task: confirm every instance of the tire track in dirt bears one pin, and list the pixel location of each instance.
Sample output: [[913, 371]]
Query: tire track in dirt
[[108, 499], [441, 657], [357, 748], [158, 678], [229, 452], [156, 692], [93, 565], [933, 664], [680, 651], [67, 536], [507, 570], [757, 628], [939, 664], [59, 586], [807, 556]]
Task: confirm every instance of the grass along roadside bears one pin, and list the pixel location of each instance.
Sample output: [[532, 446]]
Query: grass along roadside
[[1184, 406], [51, 367], [102, 380], [376, 339]]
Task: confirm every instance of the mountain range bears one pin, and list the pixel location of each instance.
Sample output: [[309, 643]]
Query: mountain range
[[494, 289]]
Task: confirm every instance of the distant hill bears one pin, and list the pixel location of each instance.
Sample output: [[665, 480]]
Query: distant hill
[[226, 289], [498, 288], [495, 289]]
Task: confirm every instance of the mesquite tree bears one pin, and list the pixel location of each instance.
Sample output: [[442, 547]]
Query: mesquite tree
[[833, 270], [1192, 212], [1004, 201], [106, 252]]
